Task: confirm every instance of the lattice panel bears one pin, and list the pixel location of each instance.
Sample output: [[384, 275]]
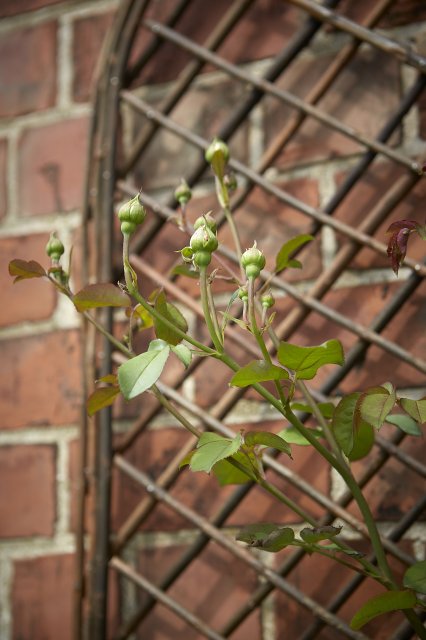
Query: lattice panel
[[322, 108]]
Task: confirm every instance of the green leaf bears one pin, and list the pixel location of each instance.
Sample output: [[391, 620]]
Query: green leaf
[[110, 378], [183, 353], [293, 436], [211, 448], [383, 603], [186, 459], [267, 439], [253, 533], [405, 423], [375, 404], [305, 361], [157, 345], [100, 295], [316, 534], [283, 259], [326, 408], [415, 577], [144, 316], [257, 371], [139, 373], [415, 408], [277, 540], [22, 270], [265, 536], [226, 473], [101, 398], [173, 315], [343, 422], [364, 437]]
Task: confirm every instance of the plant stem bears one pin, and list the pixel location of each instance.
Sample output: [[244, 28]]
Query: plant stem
[[209, 310]]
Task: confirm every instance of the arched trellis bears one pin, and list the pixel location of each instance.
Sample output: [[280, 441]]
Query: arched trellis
[[115, 165]]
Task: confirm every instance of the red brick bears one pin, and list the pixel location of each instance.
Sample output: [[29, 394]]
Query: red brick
[[14, 7], [28, 80], [213, 587], [355, 99], [52, 161], [42, 598], [89, 34], [3, 178], [27, 300], [40, 378], [29, 473]]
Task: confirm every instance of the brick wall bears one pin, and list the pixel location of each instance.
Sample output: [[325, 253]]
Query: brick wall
[[51, 49]]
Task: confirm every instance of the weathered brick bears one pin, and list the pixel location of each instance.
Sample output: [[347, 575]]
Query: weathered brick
[[213, 587], [358, 98], [28, 80], [14, 7], [52, 161], [44, 387], [27, 300], [28, 512], [89, 34], [37, 584], [3, 178]]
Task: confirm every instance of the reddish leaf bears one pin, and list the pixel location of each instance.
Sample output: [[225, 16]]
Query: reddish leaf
[[101, 398], [24, 270], [100, 295], [397, 245]]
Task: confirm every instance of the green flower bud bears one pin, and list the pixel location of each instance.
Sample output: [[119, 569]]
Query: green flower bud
[[243, 294], [230, 181], [127, 228], [54, 248], [208, 220], [202, 258], [183, 193], [267, 300], [253, 261], [217, 147], [131, 214], [203, 239]]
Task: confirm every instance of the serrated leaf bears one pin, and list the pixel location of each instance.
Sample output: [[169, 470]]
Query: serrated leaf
[[415, 577], [139, 373], [100, 295], [343, 422], [326, 408], [283, 259], [305, 361], [101, 398], [415, 408], [173, 315], [211, 448], [405, 423], [257, 371], [267, 439], [316, 534], [183, 353], [226, 473], [293, 436], [383, 603], [374, 405], [23, 270]]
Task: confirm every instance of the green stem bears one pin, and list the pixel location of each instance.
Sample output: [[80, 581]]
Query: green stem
[[175, 412], [209, 310]]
